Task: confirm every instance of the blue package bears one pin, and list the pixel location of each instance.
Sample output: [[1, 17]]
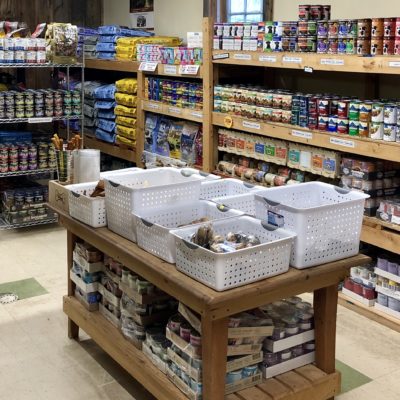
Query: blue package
[[106, 115], [150, 132], [104, 105], [108, 39], [105, 92], [188, 139], [117, 30], [164, 127], [106, 125], [105, 47], [102, 55], [15, 136], [105, 136]]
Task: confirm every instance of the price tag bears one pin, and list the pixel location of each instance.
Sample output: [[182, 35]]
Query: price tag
[[148, 66], [394, 64], [39, 120], [292, 60], [246, 57], [196, 114], [174, 110], [342, 142], [270, 59], [332, 61], [302, 134], [251, 125], [154, 106], [220, 56], [308, 70], [189, 69], [170, 69]]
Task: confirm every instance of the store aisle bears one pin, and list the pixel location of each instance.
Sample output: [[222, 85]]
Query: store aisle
[[39, 362]]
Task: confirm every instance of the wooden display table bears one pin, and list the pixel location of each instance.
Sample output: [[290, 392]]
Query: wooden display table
[[311, 382]]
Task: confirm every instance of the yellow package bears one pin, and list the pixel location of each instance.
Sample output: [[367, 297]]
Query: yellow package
[[127, 85], [125, 57], [126, 121], [126, 50], [127, 142], [126, 99], [129, 133], [125, 111]]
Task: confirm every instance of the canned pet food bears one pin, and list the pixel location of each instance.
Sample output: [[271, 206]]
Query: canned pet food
[[377, 114], [363, 46], [343, 109], [352, 28], [354, 110], [397, 47], [376, 130], [304, 12], [316, 13], [322, 28], [377, 47], [343, 126], [19, 56], [302, 44], [311, 44], [389, 132], [41, 57], [332, 45], [365, 111], [323, 123], [322, 45], [332, 124], [342, 46], [326, 12], [377, 28], [311, 28], [333, 29], [363, 129], [388, 47], [364, 28], [323, 107], [31, 57], [354, 127], [313, 121], [302, 27], [389, 27], [343, 28], [390, 114]]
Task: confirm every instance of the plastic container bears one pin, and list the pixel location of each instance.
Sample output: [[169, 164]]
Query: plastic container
[[241, 202], [89, 210], [226, 188], [327, 220], [139, 191], [153, 227], [225, 271], [86, 166]]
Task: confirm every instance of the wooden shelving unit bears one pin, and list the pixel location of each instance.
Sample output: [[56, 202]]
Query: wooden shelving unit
[[113, 65], [344, 143], [318, 62], [125, 153], [172, 71], [171, 111]]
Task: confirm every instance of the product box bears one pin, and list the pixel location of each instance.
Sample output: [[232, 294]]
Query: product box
[[146, 320], [110, 297], [160, 364], [185, 366], [85, 303], [109, 316], [186, 347], [357, 297], [85, 287], [87, 266], [140, 298], [270, 372], [275, 346], [58, 195]]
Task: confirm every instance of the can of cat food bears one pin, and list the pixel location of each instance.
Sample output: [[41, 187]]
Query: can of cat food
[[377, 113], [363, 129], [388, 47], [389, 27], [354, 127], [322, 28], [377, 28], [351, 46], [343, 126], [390, 114], [333, 29], [363, 46], [343, 108], [333, 45], [343, 28], [304, 12], [364, 28], [326, 12], [342, 45], [316, 12], [376, 130], [389, 132], [322, 45]]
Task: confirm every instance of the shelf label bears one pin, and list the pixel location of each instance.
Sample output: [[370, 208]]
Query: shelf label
[[292, 60], [394, 64], [332, 61], [196, 114], [189, 69], [342, 142], [174, 110], [154, 106], [251, 125], [39, 120], [302, 134], [308, 70], [220, 56], [246, 57], [270, 59], [170, 69], [148, 66]]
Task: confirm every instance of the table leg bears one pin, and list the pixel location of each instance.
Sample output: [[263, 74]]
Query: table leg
[[325, 311], [215, 341], [73, 329]]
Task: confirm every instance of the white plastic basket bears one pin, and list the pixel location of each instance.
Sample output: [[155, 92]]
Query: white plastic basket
[[108, 174], [229, 270], [153, 227], [327, 220], [89, 210], [144, 189], [211, 190], [241, 202]]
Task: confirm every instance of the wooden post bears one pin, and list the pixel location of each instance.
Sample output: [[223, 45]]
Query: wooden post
[[140, 119], [325, 310], [73, 329], [215, 341]]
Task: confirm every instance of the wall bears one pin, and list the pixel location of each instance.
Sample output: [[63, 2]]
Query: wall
[[172, 17], [347, 9]]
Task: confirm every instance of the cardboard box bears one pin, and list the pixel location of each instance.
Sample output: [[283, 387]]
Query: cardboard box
[[184, 346], [86, 287], [244, 349], [109, 316], [146, 320], [87, 266], [58, 196], [160, 364], [247, 332], [185, 366], [275, 346], [111, 298], [142, 298], [269, 372], [355, 296], [89, 306]]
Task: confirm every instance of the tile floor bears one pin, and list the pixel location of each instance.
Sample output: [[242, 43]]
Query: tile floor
[[39, 362]]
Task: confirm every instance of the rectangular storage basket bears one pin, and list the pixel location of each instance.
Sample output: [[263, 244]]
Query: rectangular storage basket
[[141, 190], [210, 190], [327, 220], [153, 227], [241, 202], [229, 270], [89, 210]]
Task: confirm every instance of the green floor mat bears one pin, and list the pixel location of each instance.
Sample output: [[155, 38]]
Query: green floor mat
[[24, 289], [351, 379]]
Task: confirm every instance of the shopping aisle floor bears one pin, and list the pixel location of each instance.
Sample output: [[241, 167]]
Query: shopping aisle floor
[[39, 362]]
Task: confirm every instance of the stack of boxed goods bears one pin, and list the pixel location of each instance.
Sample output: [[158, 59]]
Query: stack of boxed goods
[[361, 284], [104, 104], [170, 55], [87, 42], [125, 111], [108, 37]]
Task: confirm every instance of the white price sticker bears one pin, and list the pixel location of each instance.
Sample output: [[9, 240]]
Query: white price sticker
[[170, 69], [251, 125], [342, 142], [245, 57], [154, 106], [39, 120], [308, 70], [148, 66], [189, 69], [332, 61], [302, 134], [174, 110], [270, 59], [394, 64], [292, 60], [196, 114]]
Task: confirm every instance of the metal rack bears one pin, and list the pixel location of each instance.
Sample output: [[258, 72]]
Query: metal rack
[[29, 172], [4, 225]]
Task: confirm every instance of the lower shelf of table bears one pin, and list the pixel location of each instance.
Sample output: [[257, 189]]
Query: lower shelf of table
[[369, 312], [307, 382]]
